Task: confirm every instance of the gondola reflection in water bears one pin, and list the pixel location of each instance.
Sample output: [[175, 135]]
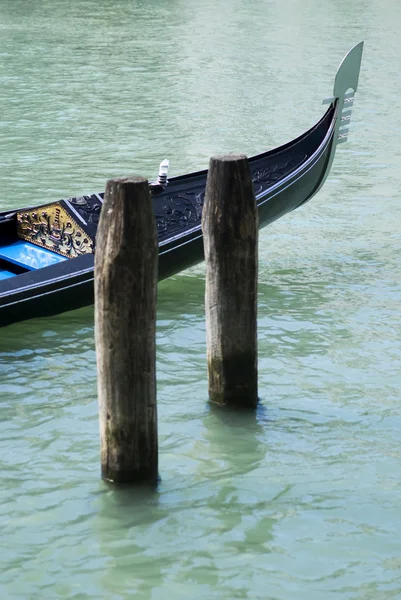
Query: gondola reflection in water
[[47, 252]]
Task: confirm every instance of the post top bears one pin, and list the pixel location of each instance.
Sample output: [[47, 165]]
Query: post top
[[136, 179], [229, 157]]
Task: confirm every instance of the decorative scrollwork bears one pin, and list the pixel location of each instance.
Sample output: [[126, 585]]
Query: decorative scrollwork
[[269, 174], [53, 228], [179, 210], [174, 212]]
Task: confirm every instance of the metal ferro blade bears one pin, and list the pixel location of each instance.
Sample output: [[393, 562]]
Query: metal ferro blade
[[348, 72], [345, 86]]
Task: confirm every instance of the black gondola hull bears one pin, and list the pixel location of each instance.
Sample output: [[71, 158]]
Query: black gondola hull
[[283, 180]]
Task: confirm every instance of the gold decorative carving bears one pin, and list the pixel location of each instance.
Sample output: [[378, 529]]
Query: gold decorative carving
[[53, 228]]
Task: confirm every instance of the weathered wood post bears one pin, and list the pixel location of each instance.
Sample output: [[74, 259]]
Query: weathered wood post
[[126, 260], [230, 230]]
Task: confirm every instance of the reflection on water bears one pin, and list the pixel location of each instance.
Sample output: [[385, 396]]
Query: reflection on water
[[298, 500]]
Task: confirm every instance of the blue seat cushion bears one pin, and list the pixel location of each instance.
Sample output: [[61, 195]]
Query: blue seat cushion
[[5, 274], [30, 257]]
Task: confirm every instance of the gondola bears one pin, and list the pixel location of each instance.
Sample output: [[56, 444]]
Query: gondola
[[47, 252]]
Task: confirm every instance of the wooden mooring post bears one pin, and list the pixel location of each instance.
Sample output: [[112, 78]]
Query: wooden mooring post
[[125, 328], [230, 231]]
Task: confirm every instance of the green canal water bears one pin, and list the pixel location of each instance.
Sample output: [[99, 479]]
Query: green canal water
[[302, 499]]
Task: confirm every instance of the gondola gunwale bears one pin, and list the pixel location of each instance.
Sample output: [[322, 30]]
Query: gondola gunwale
[[268, 194], [273, 151], [53, 291], [53, 285], [52, 280]]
